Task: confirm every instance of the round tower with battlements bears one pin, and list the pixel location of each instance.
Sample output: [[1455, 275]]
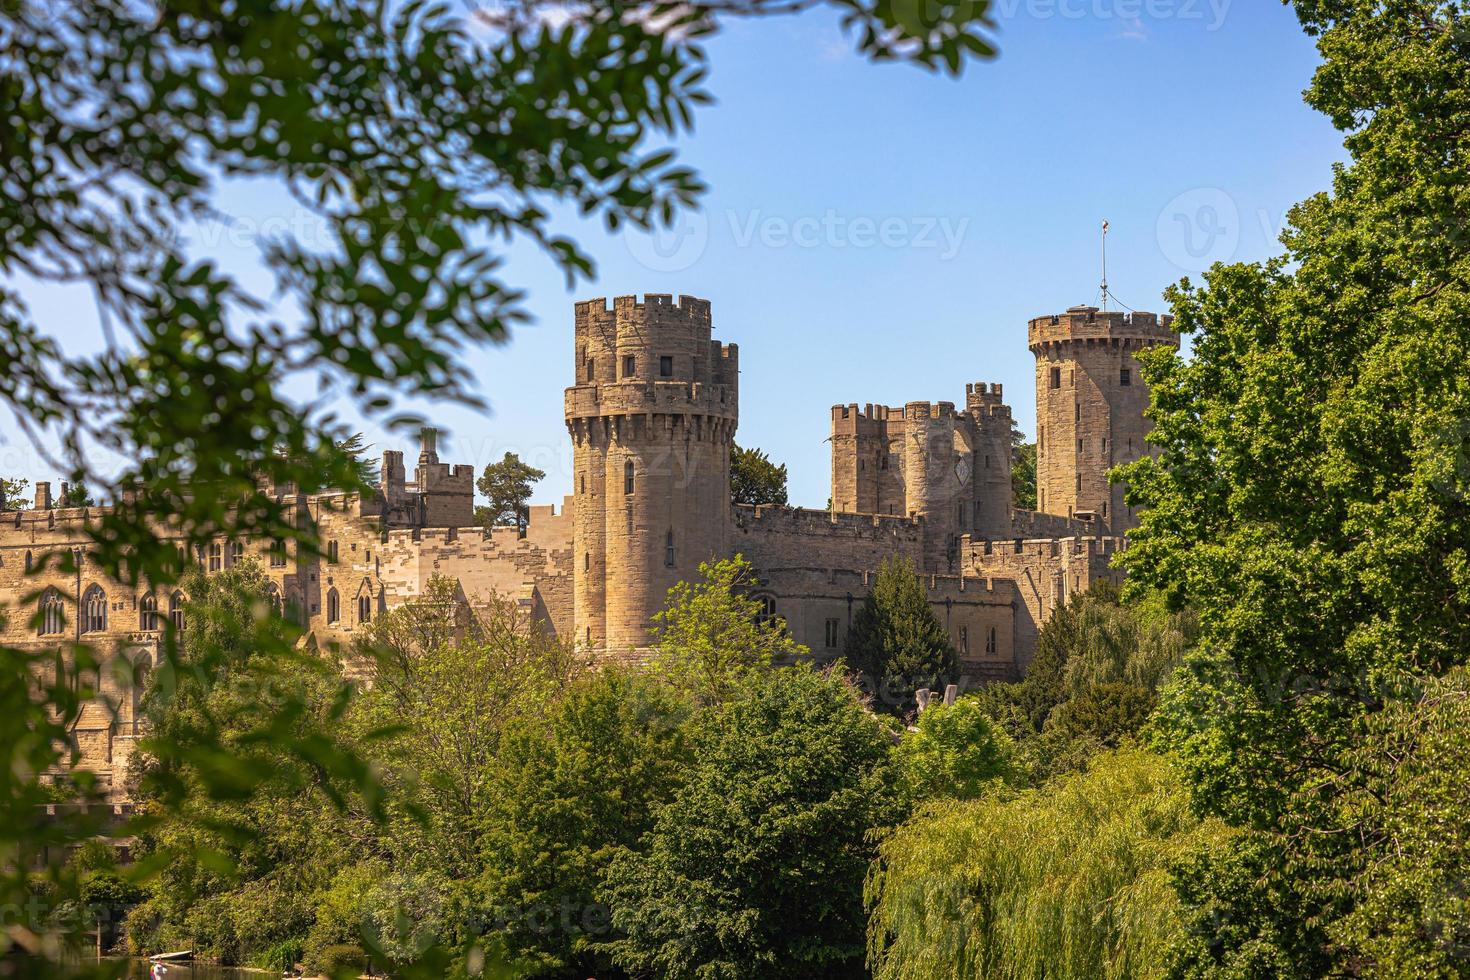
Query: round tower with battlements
[[652, 414], [1090, 402]]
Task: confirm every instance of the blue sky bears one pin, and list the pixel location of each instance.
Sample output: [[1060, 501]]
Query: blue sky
[[881, 234]]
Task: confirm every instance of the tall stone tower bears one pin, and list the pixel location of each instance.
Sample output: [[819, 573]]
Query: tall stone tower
[[652, 414], [1090, 401]]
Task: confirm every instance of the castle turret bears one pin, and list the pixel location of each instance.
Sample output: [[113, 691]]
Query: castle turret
[[990, 459], [1090, 401], [652, 415]]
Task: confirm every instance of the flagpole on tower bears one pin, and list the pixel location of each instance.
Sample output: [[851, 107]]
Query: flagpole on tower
[[1105, 266]]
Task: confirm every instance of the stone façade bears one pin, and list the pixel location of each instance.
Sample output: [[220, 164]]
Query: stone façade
[[652, 412]]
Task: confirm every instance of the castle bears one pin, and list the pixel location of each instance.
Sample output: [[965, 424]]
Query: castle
[[652, 414]]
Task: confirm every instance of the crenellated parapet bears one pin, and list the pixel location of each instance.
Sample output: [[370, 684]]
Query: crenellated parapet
[[1089, 325]]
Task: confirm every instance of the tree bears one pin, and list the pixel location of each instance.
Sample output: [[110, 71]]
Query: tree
[[712, 633], [1023, 471], [1071, 880], [507, 485], [754, 479], [571, 787], [235, 866], [953, 752], [14, 494], [755, 868], [1310, 490], [897, 645]]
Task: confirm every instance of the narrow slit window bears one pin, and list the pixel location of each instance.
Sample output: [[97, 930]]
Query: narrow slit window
[[629, 475]]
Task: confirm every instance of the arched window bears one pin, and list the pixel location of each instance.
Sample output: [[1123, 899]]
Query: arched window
[[273, 596], [332, 552], [94, 610], [365, 607], [334, 606], [53, 613], [148, 613], [237, 551], [669, 550], [628, 474], [176, 611], [28, 562], [767, 611], [990, 641], [216, 561]]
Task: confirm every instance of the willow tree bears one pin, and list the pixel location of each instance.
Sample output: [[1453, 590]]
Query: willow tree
[[1070, 881]]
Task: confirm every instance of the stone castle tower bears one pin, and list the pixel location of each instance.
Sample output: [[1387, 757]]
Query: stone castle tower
[[652, 414], [1090, 401], [951, 469]]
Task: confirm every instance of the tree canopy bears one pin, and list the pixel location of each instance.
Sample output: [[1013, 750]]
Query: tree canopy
[[897, 645], [507, 485], [754, 479]]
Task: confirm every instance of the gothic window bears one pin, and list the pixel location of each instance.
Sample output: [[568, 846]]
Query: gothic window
[[273, 596], [176, 611], [278, 553], [148, 613], [665, 367], [237, 551], [216, 560], [1125, 378], [53, 613], [767, 611], [94, 610], [990, 638], [332, 552], [365, 607], [334, 606], [669, 549], [831, 636], [628, 475]]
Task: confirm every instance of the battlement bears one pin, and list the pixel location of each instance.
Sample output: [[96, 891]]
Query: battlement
[[983, 400], [928, 410], [811, 521], [689, 306], [1089, 324], [1021, 547]]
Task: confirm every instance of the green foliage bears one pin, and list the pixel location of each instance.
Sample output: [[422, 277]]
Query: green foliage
[[756, 866], [507, 485], [1023, 474], [754, 479], [712, 634], [896, 644], [14, 494], [1092, 679], [953, 752], [1070, 880], [570, 788], [1310, 491]]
